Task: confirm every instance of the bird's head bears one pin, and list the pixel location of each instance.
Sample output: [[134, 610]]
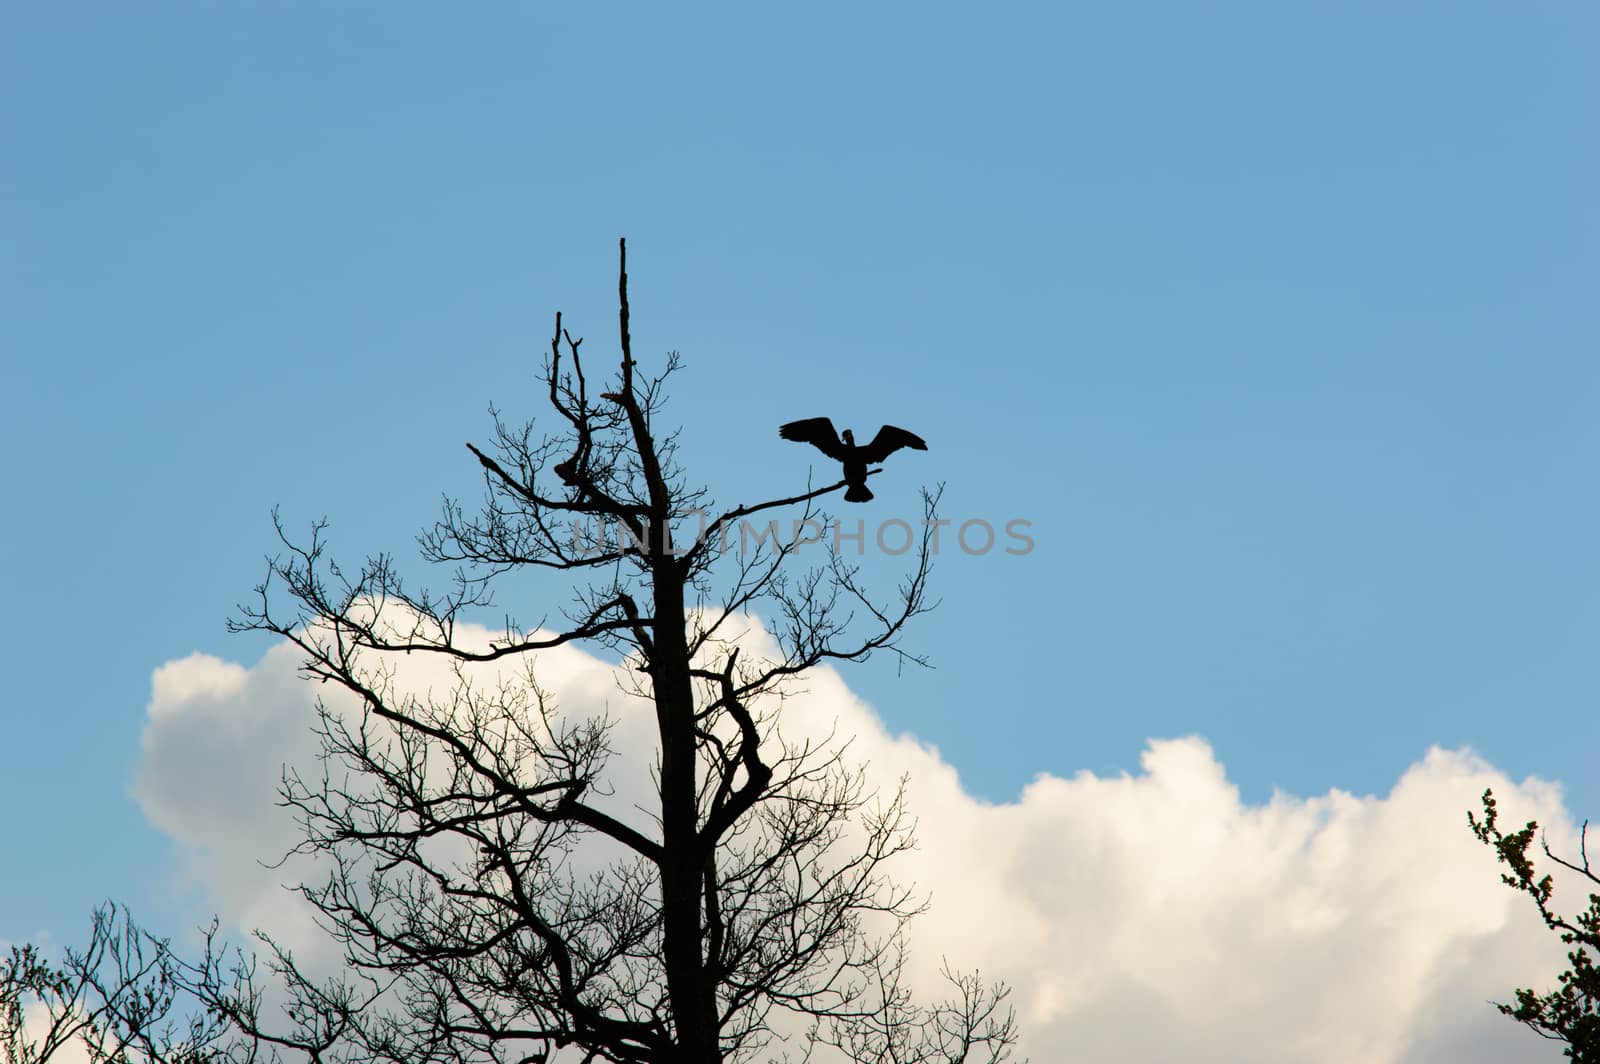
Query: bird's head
[[849, 438]]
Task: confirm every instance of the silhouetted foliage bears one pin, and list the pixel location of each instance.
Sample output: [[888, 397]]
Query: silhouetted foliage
[[1571, 1012]]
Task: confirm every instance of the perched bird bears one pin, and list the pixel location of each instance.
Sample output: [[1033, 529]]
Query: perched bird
[[820, 433]]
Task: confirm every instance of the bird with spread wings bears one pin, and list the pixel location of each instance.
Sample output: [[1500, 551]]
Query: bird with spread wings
[[820, 433]]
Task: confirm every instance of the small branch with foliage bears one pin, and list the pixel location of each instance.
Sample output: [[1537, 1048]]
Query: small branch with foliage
[[1571, 1012], [122, 999]]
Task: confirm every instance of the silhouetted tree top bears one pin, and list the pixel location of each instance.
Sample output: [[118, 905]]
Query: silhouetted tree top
[[755, 884]]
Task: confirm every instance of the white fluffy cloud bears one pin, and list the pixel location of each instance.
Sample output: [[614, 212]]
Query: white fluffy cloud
[[1149, 917]]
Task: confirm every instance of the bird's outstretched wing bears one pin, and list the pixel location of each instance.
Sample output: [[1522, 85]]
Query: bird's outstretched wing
[[889, 440], [817, 431]]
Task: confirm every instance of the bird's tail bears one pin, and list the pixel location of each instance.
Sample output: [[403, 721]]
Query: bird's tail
[[857, 493]]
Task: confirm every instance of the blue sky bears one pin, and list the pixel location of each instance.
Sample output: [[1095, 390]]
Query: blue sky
[[1276, 322]]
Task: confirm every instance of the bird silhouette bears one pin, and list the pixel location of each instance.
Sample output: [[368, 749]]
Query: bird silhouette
[[820, 433]]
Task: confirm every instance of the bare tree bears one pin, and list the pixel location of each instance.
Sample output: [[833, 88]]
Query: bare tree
[[754, 890]]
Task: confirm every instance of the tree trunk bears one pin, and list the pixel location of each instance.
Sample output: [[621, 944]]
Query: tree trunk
[[692, 998]]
